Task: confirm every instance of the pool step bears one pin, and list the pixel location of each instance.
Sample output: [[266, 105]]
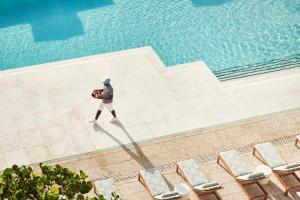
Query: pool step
[[258, 68]]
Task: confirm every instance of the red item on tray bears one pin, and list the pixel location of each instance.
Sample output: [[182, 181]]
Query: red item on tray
[[97, 93]]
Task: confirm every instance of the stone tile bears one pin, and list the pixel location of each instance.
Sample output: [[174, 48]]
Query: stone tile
[[41, 105], [26, 123], [131, 118], [10, 142], [58, 102], [4, 112], [3, 163], [124, 105], [150, 114], [82, 143], [162, 127], [7, 126], [18, 157], [171, 109], [191, 105], [38, 154], [101, 139], [61, 148], [140, 132], [10, 96], [18, 109], [185, 122], [7, 82], [31, 138], [48, 119], [53, 134]]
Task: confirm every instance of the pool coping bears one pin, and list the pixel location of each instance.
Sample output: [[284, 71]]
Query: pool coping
[[154, 59]]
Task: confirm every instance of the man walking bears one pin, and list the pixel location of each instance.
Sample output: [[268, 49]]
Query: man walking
[[107, 100]]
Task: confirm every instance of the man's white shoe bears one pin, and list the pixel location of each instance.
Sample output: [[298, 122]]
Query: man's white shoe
[[93, 121], [114, 119]]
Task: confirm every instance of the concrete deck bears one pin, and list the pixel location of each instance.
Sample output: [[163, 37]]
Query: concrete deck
[[45, 109]]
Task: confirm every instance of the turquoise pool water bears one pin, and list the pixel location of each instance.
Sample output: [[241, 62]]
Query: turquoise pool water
[[223, 33]]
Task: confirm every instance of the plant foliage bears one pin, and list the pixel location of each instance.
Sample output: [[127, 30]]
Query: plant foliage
[[52, 183]]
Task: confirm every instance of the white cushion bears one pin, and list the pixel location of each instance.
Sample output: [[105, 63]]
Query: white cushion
[[167, 195], [270, 154], [208, 186], [235, 162], [192, 172], [155, 181], [251, 176], [288, 167]]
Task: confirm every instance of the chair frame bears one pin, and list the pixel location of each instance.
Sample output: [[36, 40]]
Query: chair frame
[[279, 175], [199, 192], [243, 183], [145, 184]]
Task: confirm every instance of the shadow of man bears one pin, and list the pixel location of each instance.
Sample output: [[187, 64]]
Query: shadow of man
[[137, 154]]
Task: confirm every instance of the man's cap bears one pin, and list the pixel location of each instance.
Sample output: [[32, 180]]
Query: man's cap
[[107, 81]]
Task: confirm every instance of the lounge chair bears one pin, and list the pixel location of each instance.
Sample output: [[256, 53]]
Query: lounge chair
[[192, 173], [106, 188], [297, 140], [156, 185], [235, 165], [270, 156]]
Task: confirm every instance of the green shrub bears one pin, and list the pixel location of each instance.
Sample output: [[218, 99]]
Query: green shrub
[[53, 183]]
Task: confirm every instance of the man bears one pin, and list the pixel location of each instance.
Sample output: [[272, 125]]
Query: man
[[107, 100]]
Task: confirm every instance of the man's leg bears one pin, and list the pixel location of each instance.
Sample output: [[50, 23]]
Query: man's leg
[[97, 114], [113, 112]]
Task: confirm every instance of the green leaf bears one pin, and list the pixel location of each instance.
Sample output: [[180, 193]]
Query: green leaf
[[42, 180], [2, 182], [15, 168], [86, 187], [70, 172], [101, 197], [54, 189], [52, 197], [115, 196], [25, 172], [7, 172], [36, 174], [83, 175], [20, 194], [94, 198], [80, 197]]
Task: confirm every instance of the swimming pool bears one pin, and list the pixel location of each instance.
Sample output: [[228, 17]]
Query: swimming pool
[[226, 34]]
